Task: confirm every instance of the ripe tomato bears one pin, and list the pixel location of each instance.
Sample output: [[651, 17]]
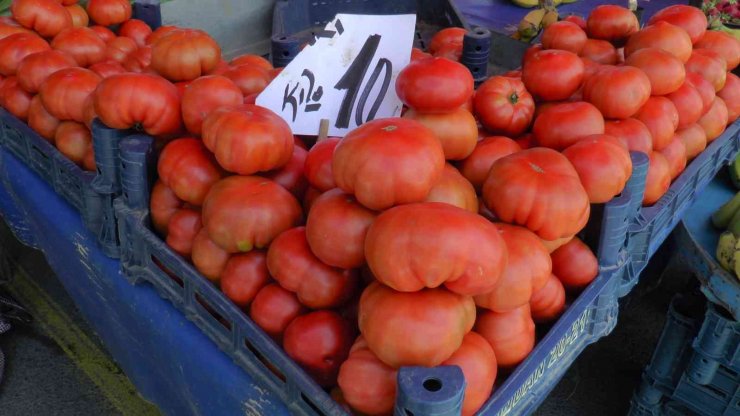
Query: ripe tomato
[[548, 303], [88, 162], [688, 103], [511, 334], [78, 14], [139, 60], [64, 92], [184, 225], [204, 95], [251, 79], [618, 92], [107, 69], [705, 88], [599, 51], [120, 48], [137, 30], [730, 94], [73, 139], [291, 176], [612, 23], [527, 270], [186, 167], [242, 213], [675, 154], [665, 72], [34, 69], [455, 190], [14, 48], [561, 125], [715, 120], [564, 35], [106, 34], [694, 140], [312, 194], [319, 342], [540, 189], [250, 59], [109, 12], [82, 44], [162, 205], [184, 55], [14, 98], [435, 85], [8, 26], [41, 121], [208, 258], [476, 166], [247, 138], [388, 162], [691, 19], [368, 384], [553, 75], [45, 17], [273, 309], [399, 335], [661, 35], [456, 130], [574, 264], [658, 179], [244, 276], [318, 164], [449, 36], [603, 163], [138, 100], [722, 43], [578, 20], [504, 106], [631, 131], [661, 118], [159, 33], [476, 359]]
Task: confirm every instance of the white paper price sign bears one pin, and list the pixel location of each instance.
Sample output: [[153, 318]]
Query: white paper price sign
[[348, 75]]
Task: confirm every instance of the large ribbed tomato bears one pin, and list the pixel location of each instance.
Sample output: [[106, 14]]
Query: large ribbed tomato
[[722, 43], [694, 140], [710, 65], [730, 94], [163, 203], [553, 75], [242, 213], [665, 72], [661, 35], [73, 140], [34, 69], [400, 335], [631, 131], [46, 17], [691, 19], [561, 125], [318, 164], [476, 166], [574, 264], [705, 88], [540, 189], [603, 163], [139, 100], [137, 30], [688, 103], [452, 188], [661, 118], [250, 78], [41, 121], [434, 85], [476, 359], [82, 44], [120, 48], [207, 256], [244, 276], [247, 139], [388, 162], [274, 308], [618, 92], [14, 98], [599, 51], [368, 384], [715, 120], [456, 130], [64, 92], [290, 176], [251, 59], [612, 23], [511, 334], [186, 167], [184, 225], [504, 106], [14, 48], [564, 35], [8, 26], [109, 12], [106, 34], [204, 95], [675, 154], [107, 69], [548, 303], [79, 15], [184, 55], [658, 179]]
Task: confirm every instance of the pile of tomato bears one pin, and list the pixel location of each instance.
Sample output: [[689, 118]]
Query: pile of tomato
[[443, 237]]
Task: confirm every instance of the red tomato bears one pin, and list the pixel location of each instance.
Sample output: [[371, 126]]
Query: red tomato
[[128, 100], [511, 334], [46, 17], [476, 359], [603, 163], [722, 43], [553, 75], [675, 154], [139, 60], [203, 96], [658, 179], [88, 162], [73, 139], [8, 27], [14, 48], [618, 92], [78, 14], [661, 35], [388, 162], [273, 309], [710, 65], [631, 131], [399, 335], [661, 118], [705, 88], [575, 265], [475, 168], [563, 124], [599, 51], [107, 69], [244, 276], [312, 194], [456, 130], [208, 258], [34, 69], [186, 167], [730, 94], [417, 54], [184, 55], [527, 270], [318, 164], [715, 120], [694, 140], [120, 48], [135, 29], [529, 53], [578, 20], [368, 384], [688, 103], [691, 19], [564, 35], [159, 33], [548, 303], [540, 189], [65, 91], [242, 213], [106, 34], [291, 176], [553, 245], [504, 106], [163, 204], [41, 121], [455, 190], [251, 79], [250, 59], [109, 12], [82, 44], [450, 36], [612, 23], [665, 72], [184, 225], [526, 141], [435, 85]]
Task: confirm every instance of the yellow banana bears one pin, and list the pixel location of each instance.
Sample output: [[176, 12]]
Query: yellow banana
[[530, 25], [550, 17], [526, 3]]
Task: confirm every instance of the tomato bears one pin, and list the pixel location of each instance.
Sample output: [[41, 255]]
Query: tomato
[[159, 33], [137, 30], [631, 131], [476, 166], [88, 162], [504, 106], [445, 37], [319, 342], [184, 55], [312, 194], [163, 203], [73, 139], [273, 309], [704, 87], [8, 27], [64, 92], [14, 48], [208, 258], [548, 303], [184, 225], [715, 120], [564, 35], [247, 139], [46, 17], [722, 43], [250, 79], [476, 359], [661, 118], [575, 265], [417, 54], [455, 190], [526, 141], [675, 154], [435, 85], [578, 20], [186, 167], [138, 100], [511, 334], [204, 95], [107, 69], [563, 124], [41, 121], [78, 14], [658, 179], [612, 23], [401, 336], [710, 65], [34, 69], [527, 270], [318, 164], [291, 176], [109, 12], [688, 103], [540, 189], [456, 130], [139, 60], [244, 276], [368, 384], [694, 140], [599, 51], [254, 60], [689, 18], [82, 44], [603, 164], [388, 162], [618, 92], [14, 98], [665, 72], [661, 35], [730, 94], [106, 34], [553, 75], [120, 48]]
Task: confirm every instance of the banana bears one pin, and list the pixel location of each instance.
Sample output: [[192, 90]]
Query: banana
[[726, 250], [526, 3], [735, 261], [530, 25], [735, 172], [550, 17], [725, 214], [568, 1]]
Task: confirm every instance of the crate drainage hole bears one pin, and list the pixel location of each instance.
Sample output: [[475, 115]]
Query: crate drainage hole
[[432, 384]]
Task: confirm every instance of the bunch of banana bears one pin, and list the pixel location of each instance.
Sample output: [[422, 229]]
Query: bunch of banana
[[534, 3], [728, 218], [534, 21]]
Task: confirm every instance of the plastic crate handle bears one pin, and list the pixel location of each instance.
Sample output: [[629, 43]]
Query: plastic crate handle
[[435, 391], [149, 11]]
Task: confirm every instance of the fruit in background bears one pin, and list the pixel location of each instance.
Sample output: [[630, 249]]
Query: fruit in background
[[35, 68], [73, 139], [290, 176], [504, 106], [530, 25], [612, 23], [136, 30], [119, 49], [694, 139], [14, 98], [451, 36], [689, 18], [564, 35], [82, 44], [603, 164], [553, 75], [617, 92], [661, 118], [139, 60], [705, 88], [665, 72], [436, 85], [250, 79], [548, 303], [453, 189], [456, 130], [184, 55], [274, 308], [730, 94], [186, 167], [46, 17], [203, 96], [9, 26], [661, 35], [688, 103], [41, 121], [250, 59], [184, 225], [476, 359], [675, 154], [208, 258], [109, 12], [14, 48], [511, 334], [561, 125], [106, 34], [368, 384], [476, 166], [574, 264], [599, 51], [64, 92], [163, 204], [633, 132], [710, 65], [318, 164], [722, 43], [715, 120], [244, 276], [658, 179]]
